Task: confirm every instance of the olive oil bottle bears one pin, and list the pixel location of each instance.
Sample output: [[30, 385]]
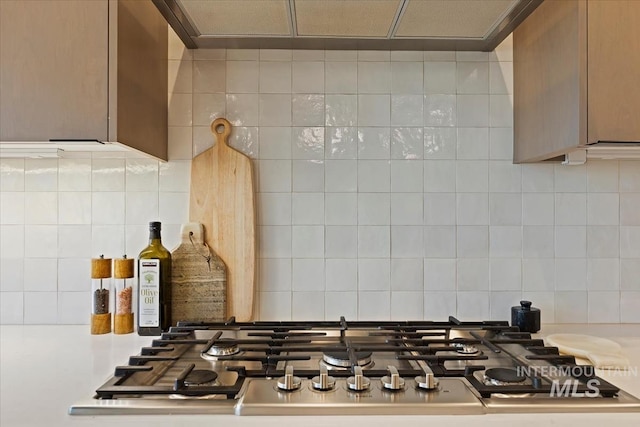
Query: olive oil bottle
[[154, 285]]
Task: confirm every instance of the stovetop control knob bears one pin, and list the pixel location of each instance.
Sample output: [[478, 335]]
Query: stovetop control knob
[[393, 381], [289, 382], [427, 381], [323, 382], [358, 382]]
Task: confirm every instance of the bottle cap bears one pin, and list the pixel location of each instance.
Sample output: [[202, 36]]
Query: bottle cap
[[123, 268], [155, 225], [100, 267]]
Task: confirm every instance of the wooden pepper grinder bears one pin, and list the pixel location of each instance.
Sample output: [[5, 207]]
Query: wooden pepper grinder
[[100, 314], [123, 319]]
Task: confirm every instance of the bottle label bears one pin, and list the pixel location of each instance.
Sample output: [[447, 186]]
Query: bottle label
[[149, 297]]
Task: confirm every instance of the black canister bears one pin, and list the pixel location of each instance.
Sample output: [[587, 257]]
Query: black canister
[[525, 317]]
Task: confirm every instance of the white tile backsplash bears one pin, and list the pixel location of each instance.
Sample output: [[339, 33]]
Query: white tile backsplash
[[385, 190]]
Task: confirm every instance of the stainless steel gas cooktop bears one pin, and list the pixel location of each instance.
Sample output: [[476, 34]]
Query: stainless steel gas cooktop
[[336, 368]]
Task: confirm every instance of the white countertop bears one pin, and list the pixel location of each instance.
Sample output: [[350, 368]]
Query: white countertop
[[44, 369]]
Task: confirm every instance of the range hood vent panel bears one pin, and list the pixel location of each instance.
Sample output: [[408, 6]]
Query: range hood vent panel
[[244, 18], [453, 18], [350, 18], [469, 25]]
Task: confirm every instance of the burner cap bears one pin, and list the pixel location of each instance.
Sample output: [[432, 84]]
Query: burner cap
[[466, 348], [200, 377], [221, 348], [341, 358], [502, 376]]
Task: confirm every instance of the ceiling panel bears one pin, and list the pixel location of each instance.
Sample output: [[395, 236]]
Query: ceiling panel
[[238, 17], [345, 18], [452, 18]]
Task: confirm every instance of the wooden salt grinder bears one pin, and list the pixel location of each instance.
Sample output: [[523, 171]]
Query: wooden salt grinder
[[100, 319], [123, 318]]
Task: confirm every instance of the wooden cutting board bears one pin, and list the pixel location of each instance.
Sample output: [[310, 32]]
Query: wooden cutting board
[[198, 279], [222, 200]]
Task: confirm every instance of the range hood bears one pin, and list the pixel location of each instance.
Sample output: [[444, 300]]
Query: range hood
[[345, 24]]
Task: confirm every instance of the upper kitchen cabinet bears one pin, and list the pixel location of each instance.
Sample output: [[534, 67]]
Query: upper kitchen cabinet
[[84, 70], [576, 65]]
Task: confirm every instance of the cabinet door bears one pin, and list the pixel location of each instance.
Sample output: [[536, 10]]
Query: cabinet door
[[614, 70], [549, 64], [53, 69]]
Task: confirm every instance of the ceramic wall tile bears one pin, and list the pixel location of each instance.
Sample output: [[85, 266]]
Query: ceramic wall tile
[[108, 175], [341, 143], [275, 305], [73, 308], [275, 77], [473, 143], [505, 208], [374, 77], [438, 304], [275, 110], [12, 175], [439, 77], [40, 308], [407, 274], [341, 208], [341, 176], [406, 305], [180, 76], [407, 77], [307, 110], [374, 241], [242, 76], [407, 143], [472, 77], [307, 241], [341, 275], [246, 109], [341, 241], [440, 110], [39, 175], [439, 274], [407, 110], [12, 207], [407, 241], [211, 77], [307, 208], [338, 304], [274, 275], [374, 305], [440, 241], [207, 107], [406, 176], [275, 142], [374, 110], [308, 77], [11, 275], [308, 274], [341, 77], [141, 207], [275, 241], [538, 274], [40, 241], [307, 306], [374, 175], [341, 110], [308, 175], [373, 275], [12, 308], [373, 143], [180, 109], [307, 143]]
